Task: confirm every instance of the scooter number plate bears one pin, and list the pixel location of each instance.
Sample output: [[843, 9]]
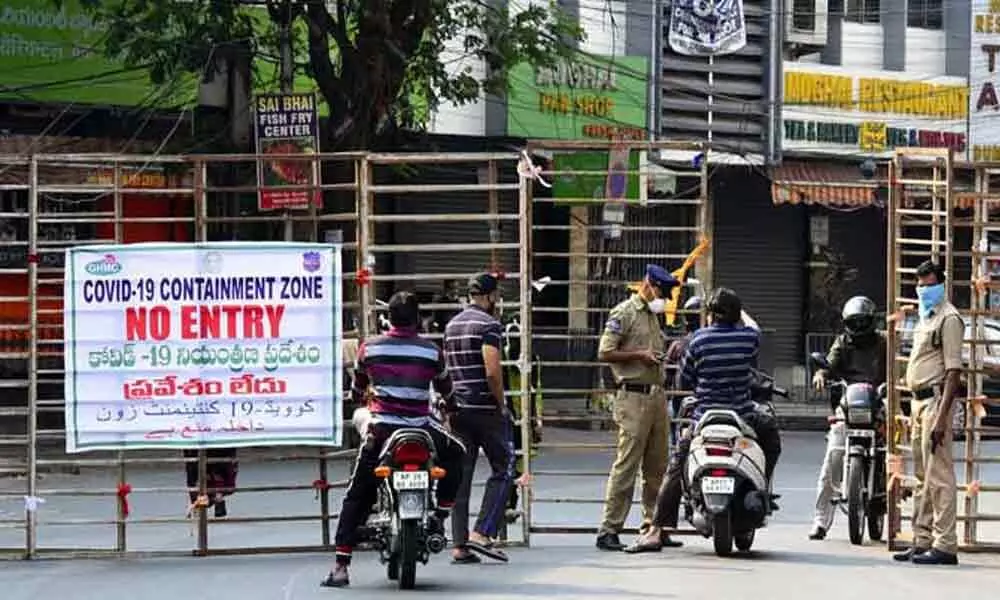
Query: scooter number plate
[[860, 433], [717, 485], [410, 480]]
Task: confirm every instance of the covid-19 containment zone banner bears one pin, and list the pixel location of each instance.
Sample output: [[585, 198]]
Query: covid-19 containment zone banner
[[203, 345]]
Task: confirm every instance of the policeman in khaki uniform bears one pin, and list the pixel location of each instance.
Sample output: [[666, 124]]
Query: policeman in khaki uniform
[[633, 345], [933, 376]]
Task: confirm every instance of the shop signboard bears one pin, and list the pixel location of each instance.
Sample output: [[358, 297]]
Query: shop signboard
[[845, 111]]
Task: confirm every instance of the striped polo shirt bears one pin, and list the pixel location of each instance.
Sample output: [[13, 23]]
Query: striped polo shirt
[[400, 368], [464, 338], [717, 365]]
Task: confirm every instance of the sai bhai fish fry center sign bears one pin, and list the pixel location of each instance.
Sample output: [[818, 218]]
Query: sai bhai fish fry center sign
[[834, 110], [202, 345]]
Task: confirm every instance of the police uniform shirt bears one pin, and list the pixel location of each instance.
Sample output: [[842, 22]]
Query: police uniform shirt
[[632, 327], [937, 348]]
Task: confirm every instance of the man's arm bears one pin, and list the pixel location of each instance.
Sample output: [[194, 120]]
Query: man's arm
[[835, 356], [689, 369], [492, 340], [608, 348], [361, 380], [952, 334], [442, 382]]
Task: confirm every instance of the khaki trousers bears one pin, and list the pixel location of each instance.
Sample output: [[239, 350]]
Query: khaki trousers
[[935, 497], [643, 445]]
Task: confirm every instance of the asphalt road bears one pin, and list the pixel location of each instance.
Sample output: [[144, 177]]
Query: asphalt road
[[784, 565]]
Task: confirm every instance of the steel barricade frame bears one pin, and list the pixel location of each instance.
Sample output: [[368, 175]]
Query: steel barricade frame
[[119, 187], [489, 201], [694, 222], [925, 219]]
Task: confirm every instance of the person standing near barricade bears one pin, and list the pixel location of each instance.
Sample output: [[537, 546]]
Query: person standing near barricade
[[473, 342], [633, 346], [933, 376]]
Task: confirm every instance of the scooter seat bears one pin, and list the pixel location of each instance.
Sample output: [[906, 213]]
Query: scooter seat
[[725, 417]]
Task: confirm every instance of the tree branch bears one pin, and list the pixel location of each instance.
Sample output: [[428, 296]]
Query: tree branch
[[323, 69]]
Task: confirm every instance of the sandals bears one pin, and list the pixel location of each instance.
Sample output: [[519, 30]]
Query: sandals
[[488, 550]]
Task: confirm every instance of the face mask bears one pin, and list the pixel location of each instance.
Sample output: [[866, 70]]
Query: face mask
[[930, 296], [657, 306]]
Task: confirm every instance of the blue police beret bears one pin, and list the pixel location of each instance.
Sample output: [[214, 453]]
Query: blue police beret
[[660, 277]]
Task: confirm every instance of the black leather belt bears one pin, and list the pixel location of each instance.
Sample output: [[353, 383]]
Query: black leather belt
[[638, 388], [926, 393]]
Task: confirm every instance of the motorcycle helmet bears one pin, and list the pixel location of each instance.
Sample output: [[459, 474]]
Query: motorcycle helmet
[[725, 306], [858, 316], [692, 319]]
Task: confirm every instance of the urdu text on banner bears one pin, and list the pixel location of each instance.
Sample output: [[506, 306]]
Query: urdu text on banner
[[203, 345]]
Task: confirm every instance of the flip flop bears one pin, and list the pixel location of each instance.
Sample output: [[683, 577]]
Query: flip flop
[[467, 559], [644, 547], [487, 550]]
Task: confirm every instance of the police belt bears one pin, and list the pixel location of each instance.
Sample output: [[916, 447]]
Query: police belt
[[927, 393], [638, 388]]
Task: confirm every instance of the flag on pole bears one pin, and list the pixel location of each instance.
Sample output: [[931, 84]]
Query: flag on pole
[[681, 275]]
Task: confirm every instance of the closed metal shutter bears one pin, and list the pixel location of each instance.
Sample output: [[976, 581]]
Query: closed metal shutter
[[760, 253]]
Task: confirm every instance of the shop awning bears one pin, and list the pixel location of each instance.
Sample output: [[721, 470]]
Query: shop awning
[[823, 183]]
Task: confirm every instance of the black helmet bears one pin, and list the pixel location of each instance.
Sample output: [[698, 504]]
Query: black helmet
[[725, 306], [859, 315], [692, 319]]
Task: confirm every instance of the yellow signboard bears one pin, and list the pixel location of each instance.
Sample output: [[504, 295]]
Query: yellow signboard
[[876, 95]]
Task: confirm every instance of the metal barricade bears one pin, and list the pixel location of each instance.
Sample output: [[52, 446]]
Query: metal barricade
[[59, 505], [926, 220], [432, 221], [591, 250]]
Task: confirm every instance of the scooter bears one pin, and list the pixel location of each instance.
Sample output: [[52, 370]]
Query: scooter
[[726, 495], [863, 412]]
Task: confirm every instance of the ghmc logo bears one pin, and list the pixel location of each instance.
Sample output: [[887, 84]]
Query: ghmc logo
[[108, 265]]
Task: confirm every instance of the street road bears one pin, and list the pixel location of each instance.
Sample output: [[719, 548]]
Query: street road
[[784, 565]]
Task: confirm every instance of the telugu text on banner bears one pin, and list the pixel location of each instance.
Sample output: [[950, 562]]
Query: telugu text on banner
[[203, 345]]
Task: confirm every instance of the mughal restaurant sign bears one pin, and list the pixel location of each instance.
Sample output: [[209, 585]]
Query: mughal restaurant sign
[[833, 110]]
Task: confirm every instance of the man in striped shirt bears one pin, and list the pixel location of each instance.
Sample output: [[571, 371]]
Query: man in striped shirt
[[399, 368], [718, 365], [472, 342]]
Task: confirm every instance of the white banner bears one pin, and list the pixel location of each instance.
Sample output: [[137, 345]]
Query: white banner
[[707, 28], [203, 345]]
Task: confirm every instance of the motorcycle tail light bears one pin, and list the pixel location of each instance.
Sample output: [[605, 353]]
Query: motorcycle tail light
[[411, 453], [716, 451], [718, 472]]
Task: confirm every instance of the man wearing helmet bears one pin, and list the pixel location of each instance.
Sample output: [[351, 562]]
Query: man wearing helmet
[[718, 365], [857, 356]]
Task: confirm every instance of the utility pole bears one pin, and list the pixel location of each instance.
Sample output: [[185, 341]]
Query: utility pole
[[287, 76]]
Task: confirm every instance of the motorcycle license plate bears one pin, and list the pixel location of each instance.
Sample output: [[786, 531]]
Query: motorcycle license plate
[[410, 480], [860, 433], [717, 485]]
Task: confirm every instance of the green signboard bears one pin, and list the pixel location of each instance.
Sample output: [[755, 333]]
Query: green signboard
[[589, 98], [55, 54], [582, 186]]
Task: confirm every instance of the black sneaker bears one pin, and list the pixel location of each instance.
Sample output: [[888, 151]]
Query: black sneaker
[[818, 533], [609, 542], [908, 555], [220, 509]]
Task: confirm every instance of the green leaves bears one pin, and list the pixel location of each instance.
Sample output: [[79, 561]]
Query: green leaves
[[370, 59]]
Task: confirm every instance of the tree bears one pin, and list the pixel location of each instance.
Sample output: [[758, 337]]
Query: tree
[[368, 59]]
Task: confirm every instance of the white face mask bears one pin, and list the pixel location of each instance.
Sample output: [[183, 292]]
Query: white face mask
[[658, 306]]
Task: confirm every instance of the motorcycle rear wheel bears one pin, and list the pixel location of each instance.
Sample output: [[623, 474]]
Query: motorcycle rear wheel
[[392, 568], [408, 554], [876, 524], [855, 500], [722, 534]]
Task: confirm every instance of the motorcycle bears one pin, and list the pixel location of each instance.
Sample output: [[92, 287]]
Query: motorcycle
[[725, 491], [404, 528], [863, 412]]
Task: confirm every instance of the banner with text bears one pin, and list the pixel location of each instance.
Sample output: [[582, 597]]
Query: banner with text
[[203, 345], [984, 104], [287, 124], [847, 111]]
